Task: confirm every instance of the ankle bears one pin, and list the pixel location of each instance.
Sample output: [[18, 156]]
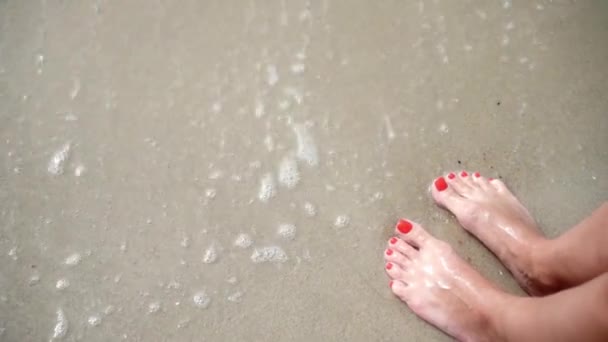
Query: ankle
[[544, 268], [496, 312]]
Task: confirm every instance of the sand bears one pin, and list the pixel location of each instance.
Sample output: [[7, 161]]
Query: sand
[[152, 149]]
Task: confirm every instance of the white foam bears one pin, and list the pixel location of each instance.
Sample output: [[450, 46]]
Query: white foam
[[390, 132], [268, 254], [57, 163], [287, 231], [201, 300], [79, 170], [61, 325], [342, 221], [94, 320], [62, 284], [210, 193], [13, 253], [272, 75], [243, 241], [289, 175], [73, 260], [267, 188], [75, 88], [307, 149], [154, 307], [236, 297], [310, 209], [298, 68], [210, 255], [34, 279]]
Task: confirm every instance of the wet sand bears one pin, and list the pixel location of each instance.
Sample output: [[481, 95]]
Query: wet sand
[[140, 139]]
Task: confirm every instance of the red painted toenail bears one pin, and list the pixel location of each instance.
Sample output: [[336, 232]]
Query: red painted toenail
[[451, 176], [440, 184], [404, 226], [490, 179], [464, 174], [389, 266], [477, 174], [389, 252], [393, 241], [390, 284]]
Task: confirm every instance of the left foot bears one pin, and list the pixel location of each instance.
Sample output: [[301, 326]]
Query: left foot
[[440, 287]]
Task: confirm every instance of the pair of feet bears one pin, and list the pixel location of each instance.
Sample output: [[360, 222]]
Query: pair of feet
[[445, 290]]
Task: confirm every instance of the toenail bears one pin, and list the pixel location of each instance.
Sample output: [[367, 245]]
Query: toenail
[[389, 252], [451, 176], [477, 174], [389, 266], [464, 174], [404, 226], [440, 184], [393, 241], [490, 179], [390, 284]]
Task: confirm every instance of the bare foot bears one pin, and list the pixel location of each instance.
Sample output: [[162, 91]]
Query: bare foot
[[488, 210], [440, 287]]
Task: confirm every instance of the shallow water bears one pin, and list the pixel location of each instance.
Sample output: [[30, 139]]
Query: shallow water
[[207, 170]]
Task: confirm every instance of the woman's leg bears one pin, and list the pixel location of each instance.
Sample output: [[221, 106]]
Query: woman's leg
[[576, 314], [581, 253], [488, 210]]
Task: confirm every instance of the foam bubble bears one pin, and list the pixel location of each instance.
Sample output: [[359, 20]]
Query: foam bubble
[[236, 297], [61, 325], [73, 260], [154, 307], [94, 320], [79, 170], [34, 279], [201, 300], [210, 255], [298, 68], [307, 149], [210, 193], [13, 253], [289, 175], [243, 240], [267, 188], [62, 284], [310, 209], [342, 221], [287, 231], [268, 254], [57, 163]]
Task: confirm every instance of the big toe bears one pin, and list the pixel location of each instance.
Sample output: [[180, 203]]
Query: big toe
[[449, 193], [412, 233]]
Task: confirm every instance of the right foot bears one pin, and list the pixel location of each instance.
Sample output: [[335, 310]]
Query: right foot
[[488, 210]]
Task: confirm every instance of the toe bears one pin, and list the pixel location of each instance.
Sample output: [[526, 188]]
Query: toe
[[402, 247], [481, 181], [395, 271], [459, 184], [466, 178], [498, 185], [396, 257], [412, 233], [399, 289], [448, 197]]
